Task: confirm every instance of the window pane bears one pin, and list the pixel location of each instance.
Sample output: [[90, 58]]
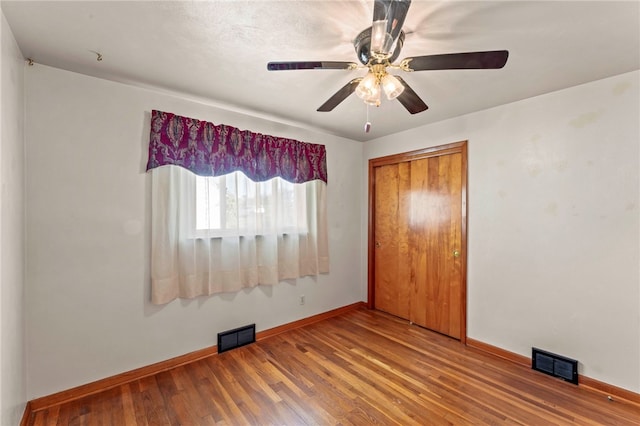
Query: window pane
[[235, 203], [208, 191]]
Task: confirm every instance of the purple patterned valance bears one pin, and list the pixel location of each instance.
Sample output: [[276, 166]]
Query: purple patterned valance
[[213, 150]]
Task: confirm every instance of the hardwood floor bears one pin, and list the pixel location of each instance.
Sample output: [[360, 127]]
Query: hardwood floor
[[360, 368]]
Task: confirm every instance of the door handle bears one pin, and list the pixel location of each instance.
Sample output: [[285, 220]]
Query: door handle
[[378, 244], [456, 253]]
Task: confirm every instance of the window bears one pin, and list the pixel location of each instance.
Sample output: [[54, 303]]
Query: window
[[235, 205], [239, 229]]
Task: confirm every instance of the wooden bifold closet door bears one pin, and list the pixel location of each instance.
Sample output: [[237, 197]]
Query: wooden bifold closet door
[[417, 231]]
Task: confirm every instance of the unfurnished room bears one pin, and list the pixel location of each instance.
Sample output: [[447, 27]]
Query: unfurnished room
[[314, 212]]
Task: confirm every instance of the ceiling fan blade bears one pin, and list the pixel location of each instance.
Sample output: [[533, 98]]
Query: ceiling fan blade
[[391, 9], [340, 95], [409, 99], [311, 65], [456, 61], [388, 19]]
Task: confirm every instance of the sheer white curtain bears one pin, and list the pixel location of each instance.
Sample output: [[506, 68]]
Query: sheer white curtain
[[222, 234]]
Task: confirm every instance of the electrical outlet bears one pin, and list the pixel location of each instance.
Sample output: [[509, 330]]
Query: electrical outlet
[[302, 300]]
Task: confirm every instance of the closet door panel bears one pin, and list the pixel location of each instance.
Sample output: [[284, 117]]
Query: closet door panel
[[454, 277], [435, 243], [392, 271]]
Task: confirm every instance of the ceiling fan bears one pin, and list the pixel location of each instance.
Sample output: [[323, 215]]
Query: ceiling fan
[[377, 47]]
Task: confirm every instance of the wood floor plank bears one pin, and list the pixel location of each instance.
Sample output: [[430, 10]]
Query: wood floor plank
[[360, 368], [232, 408], [219, 412]]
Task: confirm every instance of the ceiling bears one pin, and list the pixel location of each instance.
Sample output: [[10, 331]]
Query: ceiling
[[217, 51]]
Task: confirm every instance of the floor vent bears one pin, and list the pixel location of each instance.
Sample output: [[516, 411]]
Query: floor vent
[[232, 339], [555, 365]]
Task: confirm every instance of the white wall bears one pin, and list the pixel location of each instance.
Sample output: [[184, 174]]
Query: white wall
[[88, 313], [13, 394], [554, 247]]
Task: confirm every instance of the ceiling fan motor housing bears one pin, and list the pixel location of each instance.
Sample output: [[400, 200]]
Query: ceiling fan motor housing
[[362, 44]]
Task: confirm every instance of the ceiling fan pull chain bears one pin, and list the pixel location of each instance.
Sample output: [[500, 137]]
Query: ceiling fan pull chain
[[367, 125]]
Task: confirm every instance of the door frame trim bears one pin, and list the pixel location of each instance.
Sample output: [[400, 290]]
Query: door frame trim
[[435, 151]]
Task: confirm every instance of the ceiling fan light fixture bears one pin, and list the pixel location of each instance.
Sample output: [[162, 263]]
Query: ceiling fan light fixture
[[392, 86], [374, 98], [368, 87]]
